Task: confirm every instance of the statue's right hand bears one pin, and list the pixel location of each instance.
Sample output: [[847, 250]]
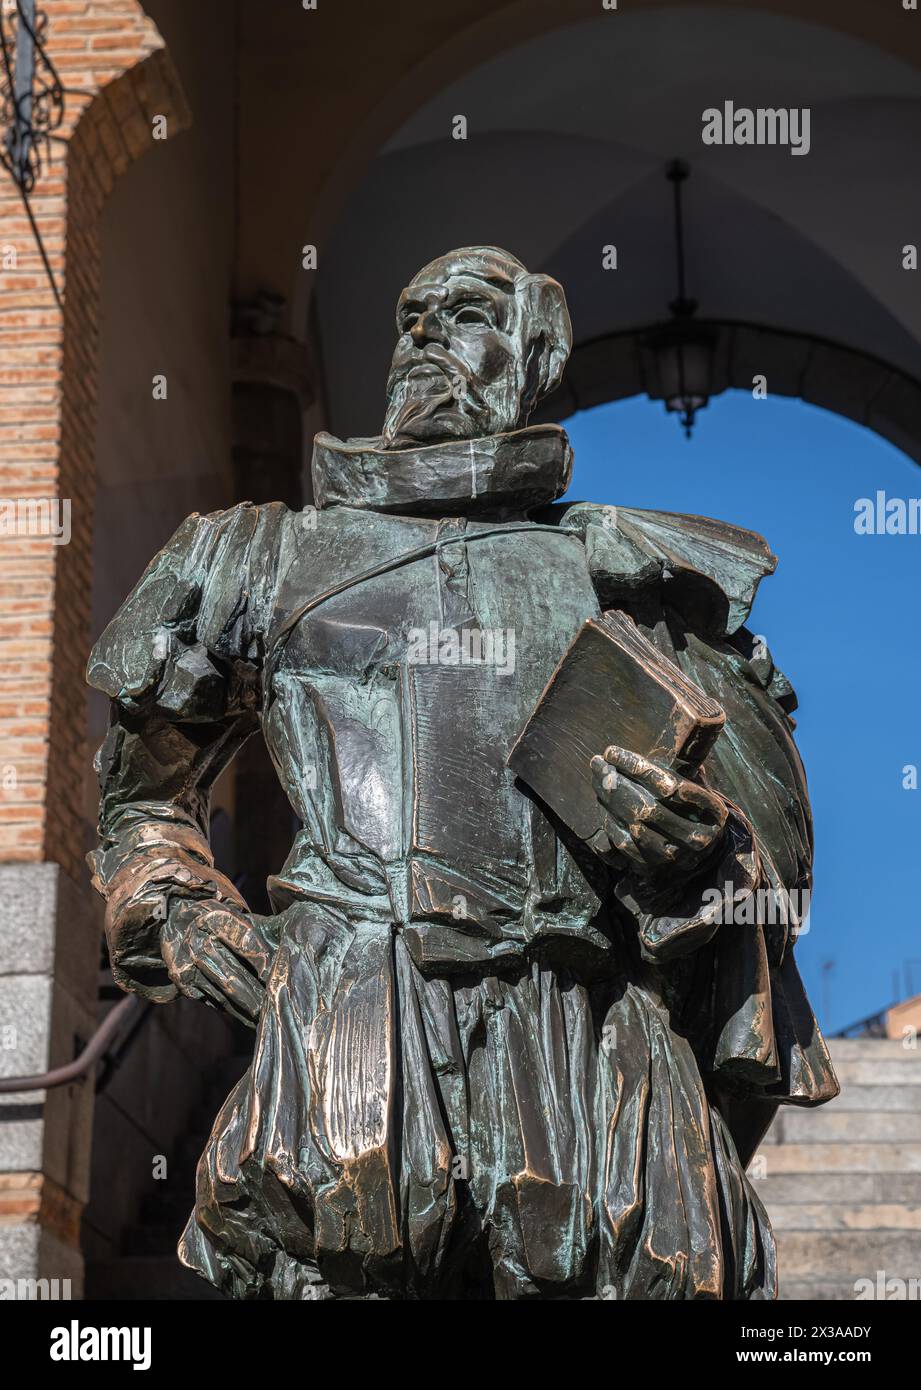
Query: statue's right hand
[[219, 953]]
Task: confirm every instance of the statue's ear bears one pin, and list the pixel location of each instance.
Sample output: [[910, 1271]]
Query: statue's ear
[[550, 331]]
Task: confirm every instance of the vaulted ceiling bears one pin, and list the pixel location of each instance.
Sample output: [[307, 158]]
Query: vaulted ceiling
[[568, 136]]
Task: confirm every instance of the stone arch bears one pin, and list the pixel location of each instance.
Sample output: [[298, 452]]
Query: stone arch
[[117, 75], [868, 368], [857, 385], [113, 131], [482, 30]]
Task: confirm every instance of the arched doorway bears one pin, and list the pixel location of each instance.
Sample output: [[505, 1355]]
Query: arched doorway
[[800, 255], [556, 166], [836, 616]]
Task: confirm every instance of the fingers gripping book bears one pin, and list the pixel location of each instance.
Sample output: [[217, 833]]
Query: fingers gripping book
[[612, 685]]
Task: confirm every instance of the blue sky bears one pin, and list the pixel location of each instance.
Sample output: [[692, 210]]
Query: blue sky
[[841, 617]]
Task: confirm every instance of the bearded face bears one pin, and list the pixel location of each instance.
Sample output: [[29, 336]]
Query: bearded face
[[460, 366]]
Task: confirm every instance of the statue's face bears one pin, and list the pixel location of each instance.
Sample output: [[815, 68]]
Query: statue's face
[[459, 368]]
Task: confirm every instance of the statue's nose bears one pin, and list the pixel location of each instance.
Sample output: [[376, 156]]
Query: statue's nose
[[428, 328]]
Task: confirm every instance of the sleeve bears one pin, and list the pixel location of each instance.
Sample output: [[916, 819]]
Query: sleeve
[[180, 662], [727, 941]]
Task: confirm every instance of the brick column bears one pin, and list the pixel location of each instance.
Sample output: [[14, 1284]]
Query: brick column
[[110, 55]]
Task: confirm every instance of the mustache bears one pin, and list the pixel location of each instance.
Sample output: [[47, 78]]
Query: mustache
[[432, 355], [406, 405]]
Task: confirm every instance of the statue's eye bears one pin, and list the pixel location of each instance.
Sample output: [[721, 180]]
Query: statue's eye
[[409, 321], [469, 315]]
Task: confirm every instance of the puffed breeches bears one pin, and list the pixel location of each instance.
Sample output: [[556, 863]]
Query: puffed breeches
[[513, 1135]]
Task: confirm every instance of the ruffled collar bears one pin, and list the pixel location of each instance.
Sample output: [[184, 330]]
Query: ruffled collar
[[517, 471]]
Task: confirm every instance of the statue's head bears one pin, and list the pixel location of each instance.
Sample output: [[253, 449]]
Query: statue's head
[[480, 341]]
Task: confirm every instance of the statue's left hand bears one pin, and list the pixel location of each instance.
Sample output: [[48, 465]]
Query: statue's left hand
[[656, 821]]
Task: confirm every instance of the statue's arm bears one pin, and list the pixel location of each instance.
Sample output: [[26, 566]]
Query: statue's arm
[[174, 922], [176, 663], [726, 931], [717, 888]]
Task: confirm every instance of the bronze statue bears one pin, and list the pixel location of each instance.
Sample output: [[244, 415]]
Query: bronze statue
[[493, 1058]]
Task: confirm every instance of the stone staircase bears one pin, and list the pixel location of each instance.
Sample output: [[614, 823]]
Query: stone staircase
[[842, 1184]]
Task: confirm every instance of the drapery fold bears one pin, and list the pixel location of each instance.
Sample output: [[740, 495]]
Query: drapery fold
[[514, 1136]]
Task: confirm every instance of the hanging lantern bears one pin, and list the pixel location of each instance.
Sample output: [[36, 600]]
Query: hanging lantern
[[682, 356], [682, 352]]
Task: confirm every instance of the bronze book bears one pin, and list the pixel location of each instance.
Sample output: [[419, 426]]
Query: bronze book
[[611, 686]]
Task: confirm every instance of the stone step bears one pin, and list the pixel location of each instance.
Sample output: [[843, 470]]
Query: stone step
[[814, 1254], [873, 1049], [876, 1073], [794, 1188], [845, 1216], [869, 1096], [832, 1125], [879, 1073], [841, 1158], [822, 1290], [144, 1278]]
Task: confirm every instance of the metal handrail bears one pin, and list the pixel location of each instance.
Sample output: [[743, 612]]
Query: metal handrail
[[110, 1027]]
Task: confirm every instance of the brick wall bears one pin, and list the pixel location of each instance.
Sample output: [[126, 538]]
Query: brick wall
[[119, 76], [109, 51]]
